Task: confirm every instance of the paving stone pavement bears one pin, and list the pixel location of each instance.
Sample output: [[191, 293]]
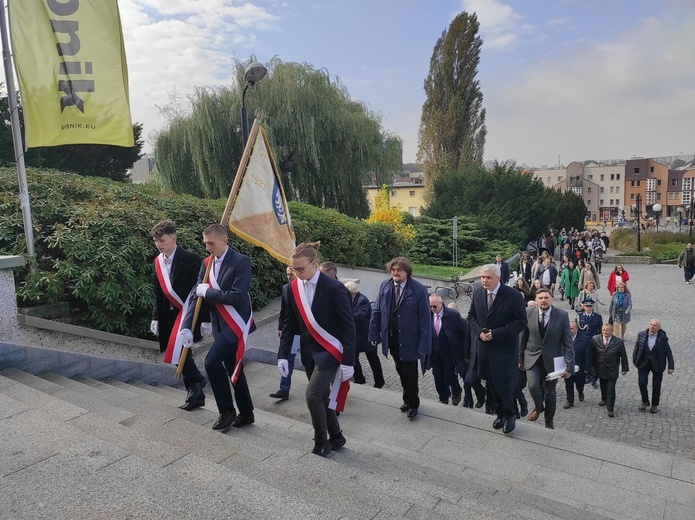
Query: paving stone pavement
[[658, 291]]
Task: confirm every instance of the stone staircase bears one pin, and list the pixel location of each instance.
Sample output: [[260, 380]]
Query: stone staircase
[[79, 448]]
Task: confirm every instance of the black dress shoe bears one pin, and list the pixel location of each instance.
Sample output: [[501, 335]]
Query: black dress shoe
[[281, 394], [509, 425], [480, 402], [524, 410], [359, 381], [550, 425], [195, 393], [242, 420], [405, 407], [193, 404], [412, 413], [225, 420], [602, 403], [467, 403], [337, 442], [456, 399], [380, 384], [581, 396], [498, 423], [322, 449], [444, 401]]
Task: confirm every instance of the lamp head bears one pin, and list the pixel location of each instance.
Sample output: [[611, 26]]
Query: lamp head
[[656, 208], [254, 73]]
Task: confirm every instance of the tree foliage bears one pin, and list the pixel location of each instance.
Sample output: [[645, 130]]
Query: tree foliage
[[95, 160], [391, 216], [325, 144], [452, 126], [506, 203]]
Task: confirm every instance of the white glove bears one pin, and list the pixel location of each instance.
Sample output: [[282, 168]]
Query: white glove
[[283, 367], [202, 289], [346, 372], [154, 327], [206, 329], [187, 337]]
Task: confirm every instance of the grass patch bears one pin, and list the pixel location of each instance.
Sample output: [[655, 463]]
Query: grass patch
[[662, 245], [439, 271]]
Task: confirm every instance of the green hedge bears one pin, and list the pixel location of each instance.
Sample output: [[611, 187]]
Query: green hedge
[[94, 251]]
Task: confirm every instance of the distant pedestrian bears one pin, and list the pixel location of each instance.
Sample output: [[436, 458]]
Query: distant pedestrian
[[651, 354], [620, 309], [686, 260]]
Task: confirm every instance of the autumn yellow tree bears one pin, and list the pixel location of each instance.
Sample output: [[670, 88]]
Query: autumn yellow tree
[[393, 216]]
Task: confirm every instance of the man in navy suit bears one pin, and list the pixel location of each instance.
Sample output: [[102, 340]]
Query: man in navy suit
[[449, 333], [401, 323], [322, 302], [504, 269], [228, 297], [546, 337], [497, 316], [175, 274], [652, 353]]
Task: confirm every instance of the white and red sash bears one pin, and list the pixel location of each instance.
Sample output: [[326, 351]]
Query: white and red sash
[[236, 323], [339, 388], [172, 354]]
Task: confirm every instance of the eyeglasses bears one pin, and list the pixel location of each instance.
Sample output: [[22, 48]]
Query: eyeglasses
[[300, 270], [434, 306]]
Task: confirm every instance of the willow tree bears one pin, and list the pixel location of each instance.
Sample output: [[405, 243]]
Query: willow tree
[[452, 125], [326, 145]]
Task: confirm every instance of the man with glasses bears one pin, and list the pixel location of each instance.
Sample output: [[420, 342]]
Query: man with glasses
[[286, 381], [401, 323]]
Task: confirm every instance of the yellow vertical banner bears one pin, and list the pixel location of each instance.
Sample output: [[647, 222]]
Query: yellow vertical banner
[[72, 71]]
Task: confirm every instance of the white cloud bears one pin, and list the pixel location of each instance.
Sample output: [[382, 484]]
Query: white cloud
[[181, 44], [500, 25], [629, 96]]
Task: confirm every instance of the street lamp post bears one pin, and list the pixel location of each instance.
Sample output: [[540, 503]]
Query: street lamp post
[[680, 210], [656, 209], [637, 209], [255, 72], [692, 210]]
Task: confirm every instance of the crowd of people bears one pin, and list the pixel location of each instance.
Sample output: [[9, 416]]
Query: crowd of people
[[512, 336]]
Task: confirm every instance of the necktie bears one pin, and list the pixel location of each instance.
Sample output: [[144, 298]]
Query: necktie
[[167, 264], [542, 320], [437, 324], [398, 295], [217, 267], [490, 300], [605, 342]]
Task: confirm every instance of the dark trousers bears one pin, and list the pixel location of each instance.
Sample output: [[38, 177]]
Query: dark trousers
[[407, 371], [577, 379], [519, 396], [190, 371], [468, 392], [643, 379], [374, 364], [608, 392], [500, 391], [444, 373], [323, 419], [688, 272], [542, 392], [219, 365]]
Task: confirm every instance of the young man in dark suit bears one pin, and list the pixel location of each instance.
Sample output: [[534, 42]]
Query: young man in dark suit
[[401, 323], [496, 317], [174, 276], [546, 336], [227, 295], [504, 269], [320, 312]]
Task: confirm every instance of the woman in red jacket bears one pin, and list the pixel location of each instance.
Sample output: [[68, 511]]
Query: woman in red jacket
[[617, 275]]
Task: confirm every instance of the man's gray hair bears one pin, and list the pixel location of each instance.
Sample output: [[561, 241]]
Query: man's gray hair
[[352, 287], [492, 268]]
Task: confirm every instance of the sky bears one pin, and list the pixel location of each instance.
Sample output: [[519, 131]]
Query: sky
[[562, 80]]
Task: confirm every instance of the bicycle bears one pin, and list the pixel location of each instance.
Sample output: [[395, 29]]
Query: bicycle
[[458, 289]]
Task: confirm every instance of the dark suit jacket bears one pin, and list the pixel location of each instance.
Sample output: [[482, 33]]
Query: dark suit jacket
[[234, 279], [184, 273], [414, 320], [362, 312], [332, 309], [506, 319], [661, 353], [504, 272], [556, 342], [525, 271], [589, 325], [283, 304], [606, 361], [457, 343]]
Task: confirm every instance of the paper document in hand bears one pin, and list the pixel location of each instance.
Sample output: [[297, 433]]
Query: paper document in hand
[[559, 364], [260, 214]]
